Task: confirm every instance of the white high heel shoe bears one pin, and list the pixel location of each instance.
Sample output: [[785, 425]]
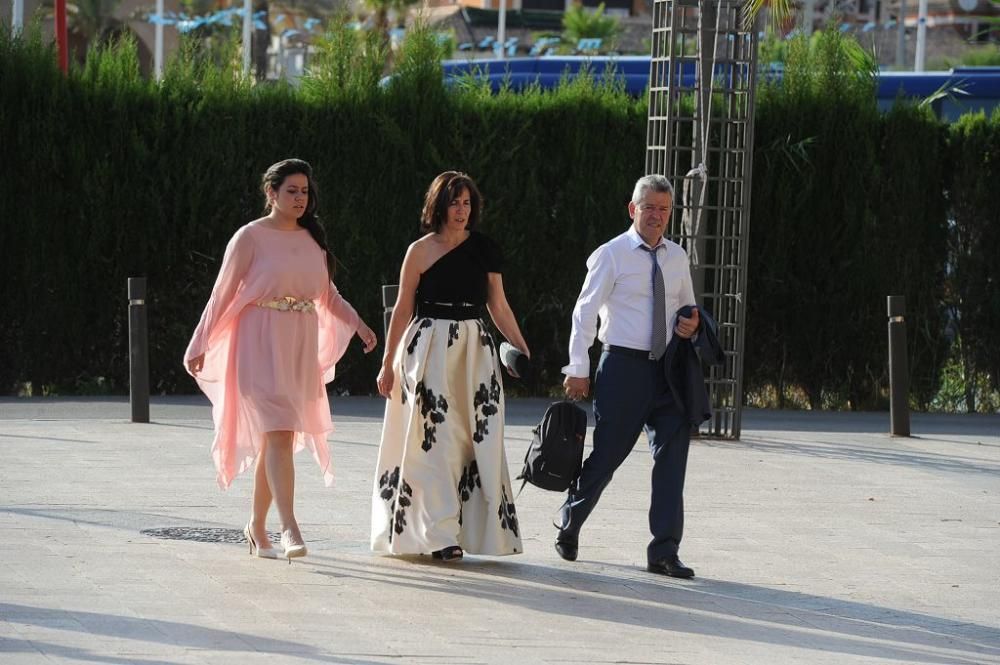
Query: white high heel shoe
[[292, 550], [257, 551]]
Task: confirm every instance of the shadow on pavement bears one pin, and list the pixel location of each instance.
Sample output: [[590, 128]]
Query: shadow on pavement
[[700, 606], [847, 450], [158, 631]]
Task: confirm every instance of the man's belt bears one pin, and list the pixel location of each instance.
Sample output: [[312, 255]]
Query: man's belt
[[625, 351]]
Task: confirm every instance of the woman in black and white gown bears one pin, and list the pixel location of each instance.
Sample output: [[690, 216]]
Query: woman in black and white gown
[[442, 486]]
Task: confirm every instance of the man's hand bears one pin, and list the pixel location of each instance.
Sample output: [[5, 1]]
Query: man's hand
[[577, 387], [686, 328]]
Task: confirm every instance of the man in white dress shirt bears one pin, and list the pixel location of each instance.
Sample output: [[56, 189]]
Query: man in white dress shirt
[[635, 284]]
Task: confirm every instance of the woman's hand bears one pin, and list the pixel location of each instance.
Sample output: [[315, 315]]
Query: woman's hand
[[510, 368], [196, 363], [385, 380], [367, 336]]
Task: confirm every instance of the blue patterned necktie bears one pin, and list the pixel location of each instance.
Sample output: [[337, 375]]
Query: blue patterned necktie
[[659, 343]]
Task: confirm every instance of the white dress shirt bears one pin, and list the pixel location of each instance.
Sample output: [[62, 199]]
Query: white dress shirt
[[618, 290]]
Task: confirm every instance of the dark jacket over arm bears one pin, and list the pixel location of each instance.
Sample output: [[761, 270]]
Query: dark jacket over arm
[[682, 364]]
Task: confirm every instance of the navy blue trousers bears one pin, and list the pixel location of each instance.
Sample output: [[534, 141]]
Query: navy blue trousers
[[631, 394]]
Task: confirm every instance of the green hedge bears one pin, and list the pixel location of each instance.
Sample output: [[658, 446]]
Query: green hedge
[[116, 177], [847, 208], [111, 176], [974, 198]]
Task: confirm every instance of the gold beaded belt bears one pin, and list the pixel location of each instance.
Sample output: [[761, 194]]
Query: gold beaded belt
[[289, 304]]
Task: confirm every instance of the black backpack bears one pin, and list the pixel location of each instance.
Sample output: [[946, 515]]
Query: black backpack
[[555, 456]]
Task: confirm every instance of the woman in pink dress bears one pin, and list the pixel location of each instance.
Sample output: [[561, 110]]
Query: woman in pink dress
[[265, 347]]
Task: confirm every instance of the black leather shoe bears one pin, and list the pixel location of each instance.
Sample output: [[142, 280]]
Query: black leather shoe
[[564, 516], [670, 566], [452, 553], [566, 549]]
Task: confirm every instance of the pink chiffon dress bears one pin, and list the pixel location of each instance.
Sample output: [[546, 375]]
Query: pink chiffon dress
[[266, 368]]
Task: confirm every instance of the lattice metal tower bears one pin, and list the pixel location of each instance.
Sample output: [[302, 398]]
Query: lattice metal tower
[[700, 136]]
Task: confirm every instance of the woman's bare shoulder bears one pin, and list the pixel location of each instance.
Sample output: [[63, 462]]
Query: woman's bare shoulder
[[421, 251], [422, 243]]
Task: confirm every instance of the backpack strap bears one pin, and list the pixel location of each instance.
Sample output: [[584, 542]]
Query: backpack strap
[[523, 478]]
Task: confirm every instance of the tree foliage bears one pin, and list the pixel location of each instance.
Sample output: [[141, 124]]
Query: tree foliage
[[582, 23]]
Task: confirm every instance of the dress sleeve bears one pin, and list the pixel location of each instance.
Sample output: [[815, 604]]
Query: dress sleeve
[[340, 308], [235, 264], [338, 321]]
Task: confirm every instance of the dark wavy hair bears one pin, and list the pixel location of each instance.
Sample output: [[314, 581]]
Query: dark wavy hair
[[275, 176], [443, 190]]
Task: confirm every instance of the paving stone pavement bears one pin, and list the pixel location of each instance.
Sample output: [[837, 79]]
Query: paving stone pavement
[[817, 539]]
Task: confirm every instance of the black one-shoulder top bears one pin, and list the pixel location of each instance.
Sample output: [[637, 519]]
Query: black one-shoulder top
[[460, 276]]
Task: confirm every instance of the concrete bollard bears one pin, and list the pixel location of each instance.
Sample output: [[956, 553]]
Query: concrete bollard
[[899, 375], [138, 350]]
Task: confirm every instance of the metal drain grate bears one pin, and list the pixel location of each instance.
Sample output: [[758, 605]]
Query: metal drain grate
[[202, 534]]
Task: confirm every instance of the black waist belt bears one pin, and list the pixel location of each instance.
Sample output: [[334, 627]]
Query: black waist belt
[[437, 310], [625, 351]]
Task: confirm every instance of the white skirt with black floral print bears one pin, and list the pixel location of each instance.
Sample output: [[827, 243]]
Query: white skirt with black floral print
[[442, 475]]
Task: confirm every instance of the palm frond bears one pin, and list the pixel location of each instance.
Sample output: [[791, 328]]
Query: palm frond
[[947, 90], [865, 62], [778, 12]]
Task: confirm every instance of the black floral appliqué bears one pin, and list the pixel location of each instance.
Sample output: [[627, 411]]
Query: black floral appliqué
[[452, 333], [398, 494], [469, 481], [468, 484], [507, 513], [494, 389], [486, 403], [424, 323], [485, 338], [432, 408]]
